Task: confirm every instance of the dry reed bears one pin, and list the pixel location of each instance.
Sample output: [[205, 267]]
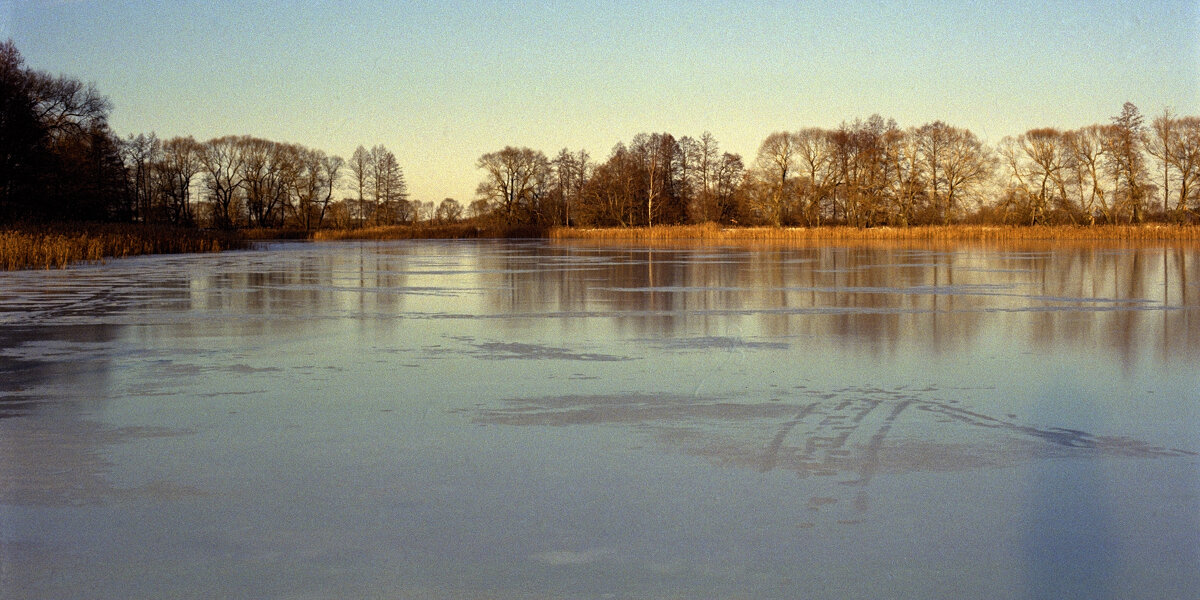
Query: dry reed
[[60, 246], [426, 231], [949, 233], [273, 233]]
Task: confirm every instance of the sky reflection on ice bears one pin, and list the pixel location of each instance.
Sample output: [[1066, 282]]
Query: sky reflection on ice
[[533, 419]]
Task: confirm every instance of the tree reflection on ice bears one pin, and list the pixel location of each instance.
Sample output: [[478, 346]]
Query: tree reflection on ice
[[846, 435]]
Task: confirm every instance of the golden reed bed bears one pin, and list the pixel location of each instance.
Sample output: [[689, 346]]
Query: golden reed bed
[[60, 246], [427, 231], [947, 233]]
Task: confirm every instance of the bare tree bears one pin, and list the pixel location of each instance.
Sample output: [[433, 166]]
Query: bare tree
[[330, 174], [1048, 156], [391, 190], [907, 177], [729, 177], [1036, 161], [933, 143], [860, 160], [313, 186], [956, 162], [381, 210], [479, 208], [140, 154], [22, 136], [583, 170], [360, 169], [448, 211], [1085, 171], [570, 175], [1185, 159], [67, 106], [269, 169], [181, 161], [1158, 144], [702, 156], [647, 149], [514, 180], [1126, 161], [609, 198], [814, 163], [422, 211], [564, 174], [775, 168], [222, 161], [58, 158], [700, 159], [657, 155]]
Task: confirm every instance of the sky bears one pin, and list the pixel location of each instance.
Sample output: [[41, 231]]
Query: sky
[[441, 83]]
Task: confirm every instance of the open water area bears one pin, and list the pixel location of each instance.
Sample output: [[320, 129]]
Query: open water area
[[538, 419]]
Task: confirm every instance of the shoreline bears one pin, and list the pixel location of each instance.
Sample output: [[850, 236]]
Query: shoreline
[[59, 246], [720, 233], [929, 233]]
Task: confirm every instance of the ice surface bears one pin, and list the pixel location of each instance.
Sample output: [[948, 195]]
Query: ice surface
[[529, 419]]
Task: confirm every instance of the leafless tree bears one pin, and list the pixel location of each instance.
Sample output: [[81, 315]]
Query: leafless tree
[[360, 169], [1036, 162], [381, 210], [331, 170], [702, 159], [564, 174], [141, 153], [390, 188], [775, 169], [67, 106], [729, 177], [58, 158], [479, 208], [814, 162], [180, 163], [1158, 144], [448, 211], [1184, 157], [222, 161], [860, 160], [1085, 171], [268, 170], [570, 171], [907, 177], [1126, 161], [312, 188], [657, 154], [956, 163], [1175, 142], [515, 180], [609, 198]]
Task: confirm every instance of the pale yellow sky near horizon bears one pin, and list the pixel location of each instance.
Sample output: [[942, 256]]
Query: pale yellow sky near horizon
[[440, 83]]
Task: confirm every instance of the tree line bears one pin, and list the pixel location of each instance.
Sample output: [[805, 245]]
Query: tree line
[[58, 158], [253, 182], [59, 161], [865, 173]]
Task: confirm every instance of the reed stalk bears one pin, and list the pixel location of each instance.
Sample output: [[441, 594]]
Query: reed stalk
[[56, 247], [427, 231], [714, 233]]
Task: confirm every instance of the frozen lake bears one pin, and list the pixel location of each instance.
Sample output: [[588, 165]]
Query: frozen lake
[[530, 419]]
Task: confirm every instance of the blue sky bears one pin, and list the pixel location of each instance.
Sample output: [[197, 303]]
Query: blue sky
[[440, 83]]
